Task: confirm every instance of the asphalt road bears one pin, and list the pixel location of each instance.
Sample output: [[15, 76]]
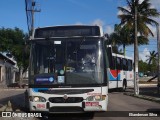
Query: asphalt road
[[119, 106]]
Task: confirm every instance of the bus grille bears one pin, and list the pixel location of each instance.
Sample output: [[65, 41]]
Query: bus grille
[[66, 109], [68, 100], [66, 91]]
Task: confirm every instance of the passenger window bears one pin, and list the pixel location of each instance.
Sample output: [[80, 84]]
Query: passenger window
[[124, 64], [118, 64], [130, 65], [113, 63]]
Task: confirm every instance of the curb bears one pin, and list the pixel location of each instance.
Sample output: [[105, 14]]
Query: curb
[[147, 84], [6, 89], [153, 99]]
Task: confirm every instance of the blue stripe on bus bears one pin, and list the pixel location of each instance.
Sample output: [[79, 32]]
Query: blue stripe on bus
[[114, 78], [37, 89]]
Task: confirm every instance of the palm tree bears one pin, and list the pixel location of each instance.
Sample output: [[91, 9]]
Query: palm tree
[[144, 18], [119, 37], [123, 36], [144, 14], [152, 63], [152, 57]]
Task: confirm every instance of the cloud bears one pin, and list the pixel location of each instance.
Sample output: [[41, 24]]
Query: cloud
[[120, 12], [98, 22], [140, 1], [143, 55], [156, 3], [106, 28], [109, 29]]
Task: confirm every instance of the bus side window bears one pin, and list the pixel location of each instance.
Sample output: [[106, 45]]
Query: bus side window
[[118, 64], [113, 62], [124, 64], [130, 65]]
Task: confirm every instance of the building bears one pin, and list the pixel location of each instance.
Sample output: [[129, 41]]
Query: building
[[8, 70]]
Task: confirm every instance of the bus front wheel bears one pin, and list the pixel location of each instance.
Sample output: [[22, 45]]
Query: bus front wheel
[[88, 115]]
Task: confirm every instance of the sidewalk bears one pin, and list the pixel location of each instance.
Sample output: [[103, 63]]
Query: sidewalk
[[146, 91]]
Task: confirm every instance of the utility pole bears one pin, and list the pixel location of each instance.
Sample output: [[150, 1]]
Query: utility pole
[[136, 55], [32, 24], [33, 11], [158, 50], [30, 10]]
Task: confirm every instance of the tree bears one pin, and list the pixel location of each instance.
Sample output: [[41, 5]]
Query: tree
[[136, 17], [152, 62], [119, 37], [123, 36], [152, 57], [12, 41], [143, 67], [144, 18]]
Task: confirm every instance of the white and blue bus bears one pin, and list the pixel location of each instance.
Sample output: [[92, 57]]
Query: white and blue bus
[[121, 74], [68, 70]]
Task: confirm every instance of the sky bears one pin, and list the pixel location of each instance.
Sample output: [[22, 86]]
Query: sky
[[69, 12]]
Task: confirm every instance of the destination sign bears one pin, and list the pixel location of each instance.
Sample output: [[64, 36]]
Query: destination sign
[[67, 31]]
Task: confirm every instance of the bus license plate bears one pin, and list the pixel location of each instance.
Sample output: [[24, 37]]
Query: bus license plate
[[92, 103]]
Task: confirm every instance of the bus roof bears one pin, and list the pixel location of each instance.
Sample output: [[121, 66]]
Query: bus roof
[[68, 30], [121, 56], [67, 26]]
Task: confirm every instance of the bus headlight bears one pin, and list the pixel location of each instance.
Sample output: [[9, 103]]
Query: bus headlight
[[96, 98], [37, 99]]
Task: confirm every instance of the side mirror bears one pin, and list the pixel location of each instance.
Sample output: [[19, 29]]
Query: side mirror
[[106, 39]]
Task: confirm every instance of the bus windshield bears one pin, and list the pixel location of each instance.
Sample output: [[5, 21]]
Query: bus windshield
[[67, 61]]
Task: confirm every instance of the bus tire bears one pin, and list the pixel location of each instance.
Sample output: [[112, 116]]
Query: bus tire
[[88, 115], [124, 86], [26, 101]]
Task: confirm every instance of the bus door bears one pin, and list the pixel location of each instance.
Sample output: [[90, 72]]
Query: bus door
[[129, 74], [118, 70]]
